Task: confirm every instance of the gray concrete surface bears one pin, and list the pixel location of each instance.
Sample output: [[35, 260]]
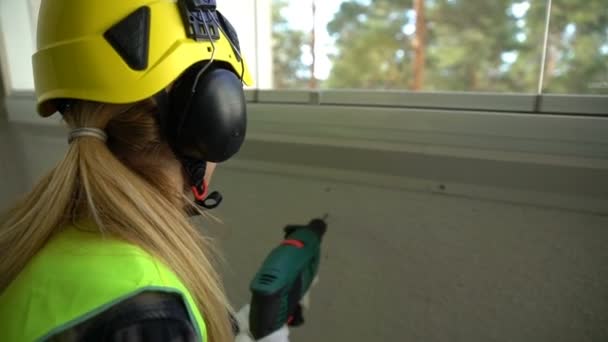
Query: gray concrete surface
[[404, 266]]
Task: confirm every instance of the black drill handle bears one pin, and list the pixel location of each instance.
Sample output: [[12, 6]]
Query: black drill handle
[[318, 226]]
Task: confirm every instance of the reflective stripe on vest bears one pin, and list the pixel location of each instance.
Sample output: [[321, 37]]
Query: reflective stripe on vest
[[76, 276]]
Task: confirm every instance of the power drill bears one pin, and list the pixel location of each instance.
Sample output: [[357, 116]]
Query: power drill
[[285, 277]]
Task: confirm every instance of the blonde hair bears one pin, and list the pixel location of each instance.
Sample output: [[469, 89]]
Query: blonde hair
[[125, 187]]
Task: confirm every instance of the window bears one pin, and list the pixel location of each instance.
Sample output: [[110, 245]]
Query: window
[[440, 45], [402, 45]]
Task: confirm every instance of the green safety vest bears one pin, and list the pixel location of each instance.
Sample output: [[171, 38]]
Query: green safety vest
[[76, 276]]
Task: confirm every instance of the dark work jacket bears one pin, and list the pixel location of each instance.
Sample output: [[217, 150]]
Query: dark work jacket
[[149, 317]]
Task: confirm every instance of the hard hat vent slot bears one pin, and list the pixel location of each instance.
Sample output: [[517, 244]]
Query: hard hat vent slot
[[130, 38]]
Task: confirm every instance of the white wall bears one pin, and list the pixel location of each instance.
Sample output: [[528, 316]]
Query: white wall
[[16, 31], [34, 10]]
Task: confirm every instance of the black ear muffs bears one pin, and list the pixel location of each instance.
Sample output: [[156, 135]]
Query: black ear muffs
[[206, 120], [204, 115]]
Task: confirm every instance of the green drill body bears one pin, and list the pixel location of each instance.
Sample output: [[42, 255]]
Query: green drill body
[[284, 278]]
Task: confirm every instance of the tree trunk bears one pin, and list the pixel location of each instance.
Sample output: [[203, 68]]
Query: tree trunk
[[419, 44], [313, 81], [472, 79]]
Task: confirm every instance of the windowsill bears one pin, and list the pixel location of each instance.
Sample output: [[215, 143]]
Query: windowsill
[[327, 119], [495, 102], [18, 102]]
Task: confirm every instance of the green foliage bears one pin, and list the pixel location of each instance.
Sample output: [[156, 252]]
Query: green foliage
[[467, 41], [372, 51], [466, 46], [575, 63]]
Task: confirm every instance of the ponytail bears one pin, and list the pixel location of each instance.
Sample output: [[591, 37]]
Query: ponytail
[[131, 187]]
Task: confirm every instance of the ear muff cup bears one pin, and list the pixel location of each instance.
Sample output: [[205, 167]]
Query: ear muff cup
[[210, 123]]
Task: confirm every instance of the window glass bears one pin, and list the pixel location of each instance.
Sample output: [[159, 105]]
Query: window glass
[[577, 57], [416, 45], [426, 45]]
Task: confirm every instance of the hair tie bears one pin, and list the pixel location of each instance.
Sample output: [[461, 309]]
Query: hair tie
[[87, 132]]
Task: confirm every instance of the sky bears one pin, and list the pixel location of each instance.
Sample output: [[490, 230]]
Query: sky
[[299, 16]]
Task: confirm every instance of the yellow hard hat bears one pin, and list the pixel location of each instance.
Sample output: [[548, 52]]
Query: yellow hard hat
[[123, 51]]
